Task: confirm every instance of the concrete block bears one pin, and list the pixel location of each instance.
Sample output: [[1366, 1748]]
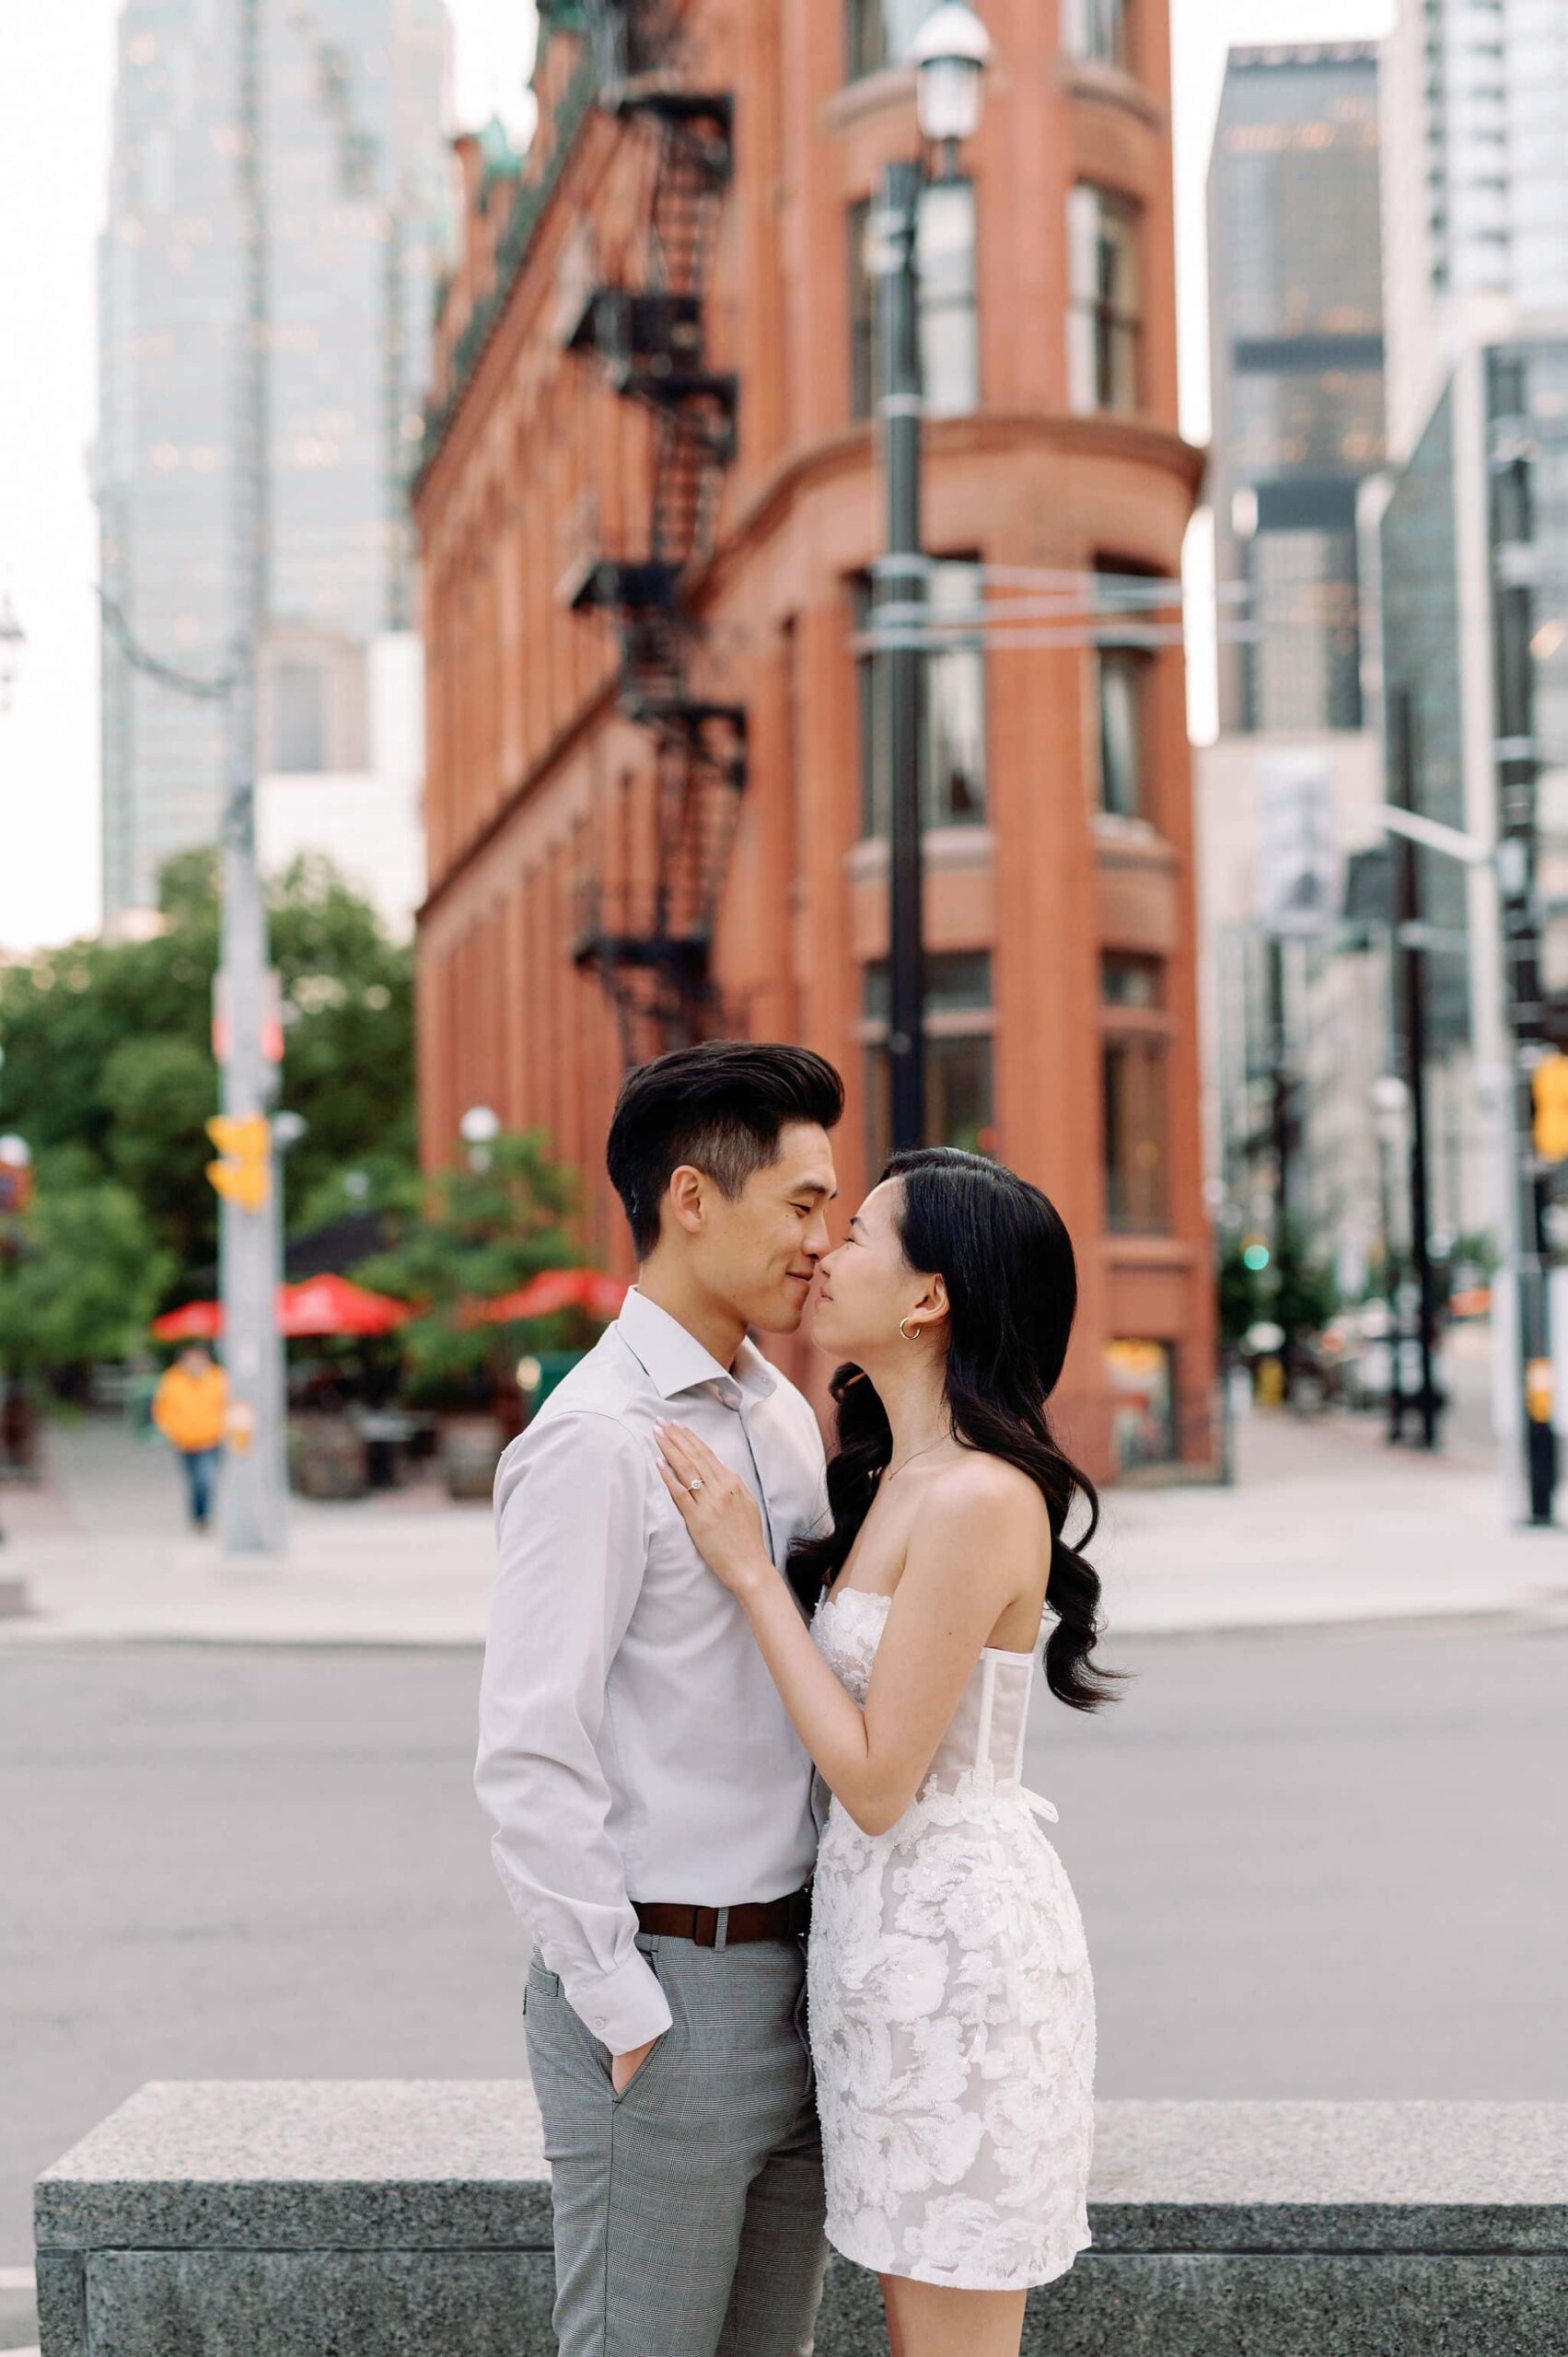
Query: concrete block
[[415, 2303], [412, 2219]]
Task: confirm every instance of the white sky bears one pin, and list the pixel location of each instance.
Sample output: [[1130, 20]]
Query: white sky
[[56, 72]]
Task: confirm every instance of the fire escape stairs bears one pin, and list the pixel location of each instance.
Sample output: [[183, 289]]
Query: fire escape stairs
[[650, 944]]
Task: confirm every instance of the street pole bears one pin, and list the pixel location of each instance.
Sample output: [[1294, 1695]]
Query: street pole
[[1512, 536], [251, 1493], [1409, 985], [1282, 1135], [1394, 1405], [902, 582]]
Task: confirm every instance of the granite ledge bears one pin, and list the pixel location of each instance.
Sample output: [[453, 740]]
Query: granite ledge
[[458, 2164]]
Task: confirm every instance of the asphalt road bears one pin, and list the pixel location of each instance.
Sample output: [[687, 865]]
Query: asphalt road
[[1319, 1864]]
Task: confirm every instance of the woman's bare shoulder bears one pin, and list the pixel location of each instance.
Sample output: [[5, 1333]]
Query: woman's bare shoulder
[[977, 1481]]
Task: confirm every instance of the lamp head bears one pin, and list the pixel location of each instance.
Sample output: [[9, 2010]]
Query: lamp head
[[949, 54]]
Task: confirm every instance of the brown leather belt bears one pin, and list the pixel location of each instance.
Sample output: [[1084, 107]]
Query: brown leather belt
[[727, 1927]]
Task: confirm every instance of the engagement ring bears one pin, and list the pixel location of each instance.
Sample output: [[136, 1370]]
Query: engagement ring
[[695, 1482]]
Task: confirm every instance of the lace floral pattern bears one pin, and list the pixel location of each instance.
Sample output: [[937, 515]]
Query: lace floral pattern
[[952, 2021]]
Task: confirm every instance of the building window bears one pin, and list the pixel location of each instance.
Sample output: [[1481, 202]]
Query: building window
[[952, 735], [299, 718], [878, 34], [1122, 689], [959, 1078], [1102, 316], [1135, 1045], [1096, 29], [947, 328], [1128, 979]]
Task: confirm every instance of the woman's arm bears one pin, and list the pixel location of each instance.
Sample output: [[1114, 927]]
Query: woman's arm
[[971, 1547]]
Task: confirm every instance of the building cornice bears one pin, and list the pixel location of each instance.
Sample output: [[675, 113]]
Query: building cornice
[[985, 434], [530, 203]]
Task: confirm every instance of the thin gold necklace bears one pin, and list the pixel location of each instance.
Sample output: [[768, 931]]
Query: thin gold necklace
[[889, 1470]]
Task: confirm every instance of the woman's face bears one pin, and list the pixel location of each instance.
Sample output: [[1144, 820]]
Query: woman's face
[[865, 1286]]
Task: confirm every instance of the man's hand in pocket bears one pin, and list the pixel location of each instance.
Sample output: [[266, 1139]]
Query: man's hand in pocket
[[624, 2068]]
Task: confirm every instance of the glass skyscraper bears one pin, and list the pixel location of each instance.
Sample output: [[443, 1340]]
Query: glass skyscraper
[[1475, 101], [1297, 325], [355, 170]]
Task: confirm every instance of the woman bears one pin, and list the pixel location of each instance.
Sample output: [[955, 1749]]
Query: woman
[[951, 2001]]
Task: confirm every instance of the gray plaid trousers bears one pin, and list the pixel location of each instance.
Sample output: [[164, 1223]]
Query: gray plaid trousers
[[689, 2211]]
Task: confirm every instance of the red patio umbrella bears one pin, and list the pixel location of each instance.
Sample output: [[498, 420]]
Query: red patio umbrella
[[333, 1305], [193, 1321], [553, 1289], [314, 1306]]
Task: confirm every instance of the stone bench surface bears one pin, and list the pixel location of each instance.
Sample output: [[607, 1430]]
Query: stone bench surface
[[362, 2163]]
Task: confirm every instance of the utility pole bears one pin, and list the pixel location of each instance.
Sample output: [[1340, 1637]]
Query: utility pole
[[1512, 537], [251, 1494], [1409, 980], [903, 584]]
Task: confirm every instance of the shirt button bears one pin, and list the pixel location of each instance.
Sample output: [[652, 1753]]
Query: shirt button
[[598, 2021]]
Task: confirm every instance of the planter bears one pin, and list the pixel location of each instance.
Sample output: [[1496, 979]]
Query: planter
[[471, 1450], [327, 1457]]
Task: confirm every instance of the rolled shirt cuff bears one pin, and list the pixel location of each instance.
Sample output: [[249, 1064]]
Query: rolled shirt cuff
[[625, 2008]]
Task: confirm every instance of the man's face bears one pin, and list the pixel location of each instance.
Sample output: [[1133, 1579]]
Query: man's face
[[761, 1253]]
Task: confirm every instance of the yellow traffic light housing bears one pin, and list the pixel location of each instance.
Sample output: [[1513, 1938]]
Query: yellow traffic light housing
[[245, 1174], [1549, 1087]]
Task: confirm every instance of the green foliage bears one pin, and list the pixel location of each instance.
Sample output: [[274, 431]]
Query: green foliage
[[464, 1235], [80, 1275], [108, 1047], [158, 1093], [1295, 1291]]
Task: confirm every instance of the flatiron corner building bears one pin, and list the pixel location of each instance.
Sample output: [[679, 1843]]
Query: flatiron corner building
[[649, 503]]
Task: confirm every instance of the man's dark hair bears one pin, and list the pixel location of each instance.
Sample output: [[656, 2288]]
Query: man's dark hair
[[719, 1105]]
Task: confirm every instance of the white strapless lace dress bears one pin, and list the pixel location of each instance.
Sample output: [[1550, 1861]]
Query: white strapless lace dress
[[952, 2007]]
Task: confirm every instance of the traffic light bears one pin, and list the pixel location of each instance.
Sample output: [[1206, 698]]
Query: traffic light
[[245, 1174], [1549, 1086]]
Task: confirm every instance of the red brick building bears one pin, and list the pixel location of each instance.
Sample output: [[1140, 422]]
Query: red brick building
[[647, 503]]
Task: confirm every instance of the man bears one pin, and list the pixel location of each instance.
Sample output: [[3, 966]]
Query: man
[[191, 1409], [652, 1805]]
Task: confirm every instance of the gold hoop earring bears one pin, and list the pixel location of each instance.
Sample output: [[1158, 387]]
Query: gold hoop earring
[[902, 1323]]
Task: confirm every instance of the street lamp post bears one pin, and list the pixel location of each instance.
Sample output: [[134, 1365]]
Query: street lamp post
[[478, 1129], [1409, 984], [949, 55]]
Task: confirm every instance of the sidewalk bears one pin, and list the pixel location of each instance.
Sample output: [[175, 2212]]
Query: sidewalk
[[1324, 1524], [105, 1554]]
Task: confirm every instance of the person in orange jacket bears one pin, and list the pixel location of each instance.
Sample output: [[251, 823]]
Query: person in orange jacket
[[191, 1409]]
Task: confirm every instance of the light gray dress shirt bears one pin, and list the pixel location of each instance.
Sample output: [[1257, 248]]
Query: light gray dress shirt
[[632, 1742]]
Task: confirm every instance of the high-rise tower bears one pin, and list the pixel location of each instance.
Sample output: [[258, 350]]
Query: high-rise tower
[[1296, 311], [355, 172]]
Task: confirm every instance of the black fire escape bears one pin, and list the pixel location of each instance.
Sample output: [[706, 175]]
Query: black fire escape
[[650, 941]]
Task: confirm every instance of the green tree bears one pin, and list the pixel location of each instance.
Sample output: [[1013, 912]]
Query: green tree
[[1294, 1290], [80, 1274], [463, 1235], [107, 1046]]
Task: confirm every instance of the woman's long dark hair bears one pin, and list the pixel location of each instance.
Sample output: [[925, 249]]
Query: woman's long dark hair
[[1012, 1284]]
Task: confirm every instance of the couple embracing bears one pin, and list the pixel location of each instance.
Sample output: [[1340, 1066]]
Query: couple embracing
[[807, 1970]]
